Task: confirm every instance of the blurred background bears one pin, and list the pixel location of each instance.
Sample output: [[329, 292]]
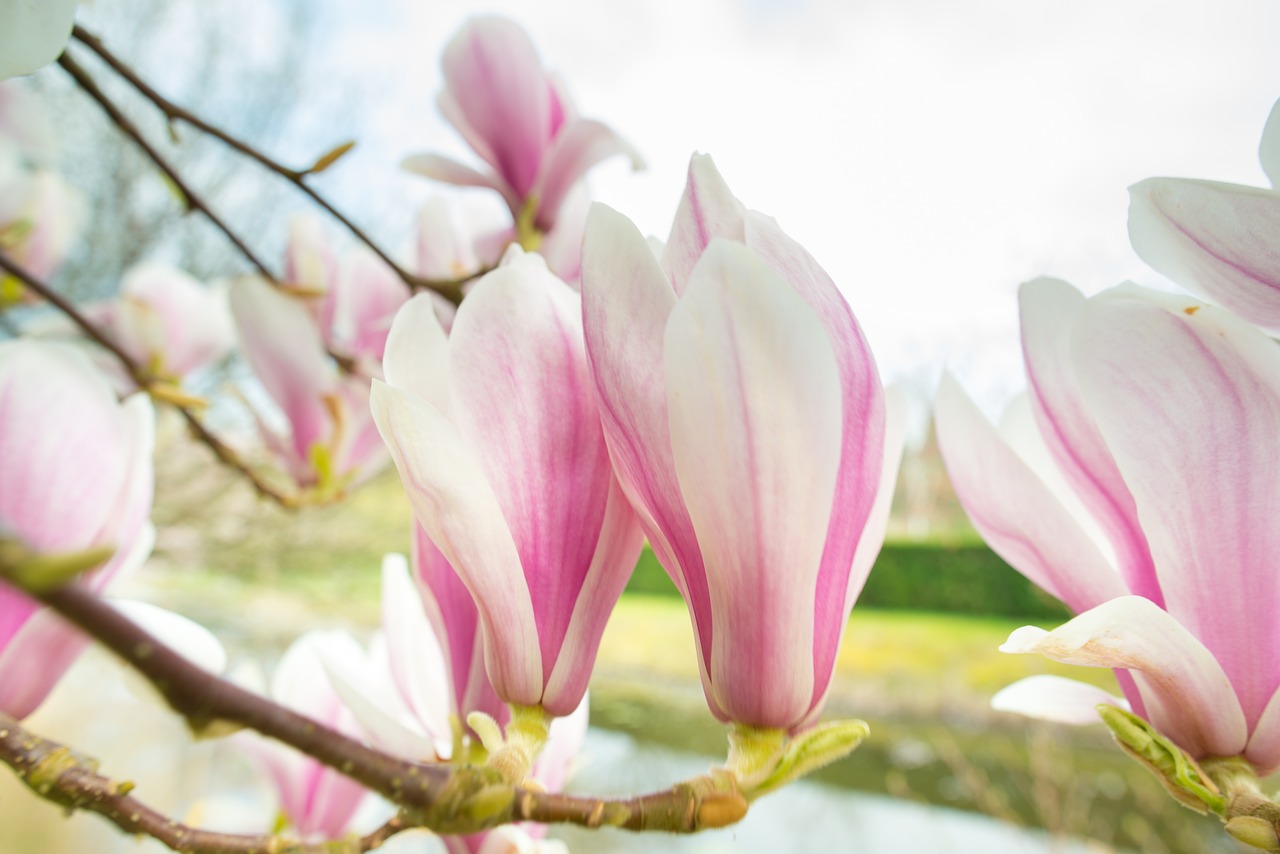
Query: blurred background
[[932, 155]]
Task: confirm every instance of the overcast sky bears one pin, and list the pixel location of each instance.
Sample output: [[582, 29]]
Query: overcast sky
[[932, 154]]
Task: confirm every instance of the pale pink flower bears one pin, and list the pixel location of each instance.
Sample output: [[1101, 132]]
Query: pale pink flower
[[497, 438], [518, 119], [330, 430], [41, 215], [318, 801], [1221, 241], [77, 475], [1143, 463], [747, 423]]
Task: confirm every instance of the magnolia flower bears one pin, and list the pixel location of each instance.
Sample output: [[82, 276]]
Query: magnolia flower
[[1221, 241], [331, 436], [77, 475], [497, 439], [424, 673], [518, 119], [167, 321], [318, 801], [747, 424], [1139, 484], [33, 34], [40, 214]]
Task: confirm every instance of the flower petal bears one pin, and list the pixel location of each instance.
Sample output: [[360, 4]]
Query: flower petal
[[417, 354], [1189, 403], [580, 145], [33, 34], [1186, 693], [1269, 148], [35, 657], [413, 651], [755, 409], [446, 169], [1217, 240], [707, 210], [1015, 512], [1048, 309], [1263, 749], [458, 509], [1055, 698]]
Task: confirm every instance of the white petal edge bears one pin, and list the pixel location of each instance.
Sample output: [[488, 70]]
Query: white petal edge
[[1056, 699]]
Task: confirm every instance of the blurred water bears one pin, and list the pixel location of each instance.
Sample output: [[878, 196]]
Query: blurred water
[[804, 817]]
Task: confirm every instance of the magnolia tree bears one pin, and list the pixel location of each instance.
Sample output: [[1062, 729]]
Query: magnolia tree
[[558, 391]]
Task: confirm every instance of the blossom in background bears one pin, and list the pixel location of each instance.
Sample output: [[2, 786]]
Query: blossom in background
[[77, 474], [497, 438], [747, 423], [331, 438], [1221, 241], [33, 34], [1138, 483], [424, 673], [167, 321], [318, 801], [519, 120], [40, 215]]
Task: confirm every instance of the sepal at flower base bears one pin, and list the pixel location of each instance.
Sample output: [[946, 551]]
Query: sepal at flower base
[[1177, 771], [765, 759]]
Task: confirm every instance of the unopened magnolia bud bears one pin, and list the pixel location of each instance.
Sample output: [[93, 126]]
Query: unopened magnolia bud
[[1255, 832]]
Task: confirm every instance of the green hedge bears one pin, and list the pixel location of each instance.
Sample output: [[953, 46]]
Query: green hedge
[[961, 579]]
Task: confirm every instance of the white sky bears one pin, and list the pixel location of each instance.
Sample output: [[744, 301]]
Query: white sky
[[931, 154]]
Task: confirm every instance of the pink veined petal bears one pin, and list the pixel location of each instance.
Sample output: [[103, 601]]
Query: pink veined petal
[[1055, 698], [1048, 310], [495, 77], [756, 431], [1186, 693], [1217, 240], [562, 245], [1269, 148], [283, 345], [452, 613], [580, 145], [616, 553], [868, 544], [626, 301], [707, 210], [1189, 403], [1263, 749], [417, 662], [444, 249], [333, 798], [446, 169], [367, 295], [34, 658], [64, 448], [863, 415], [458, 509], [177, 320], [417, 354], [522, 395], [1015, 512]]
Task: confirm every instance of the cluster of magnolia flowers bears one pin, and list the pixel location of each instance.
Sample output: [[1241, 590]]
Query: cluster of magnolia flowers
[[712, 395]]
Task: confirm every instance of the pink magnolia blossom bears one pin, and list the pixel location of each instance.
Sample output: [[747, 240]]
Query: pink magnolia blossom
[[167, 321], [318, 801], [40, 214], [331, 434], [1138, 482], [425, 671], [77, 474], [747, 423], [1221, 241], [518, 119], [497, 439]]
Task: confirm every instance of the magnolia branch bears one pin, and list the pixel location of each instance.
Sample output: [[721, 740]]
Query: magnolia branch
[[59, 775], [190, 198], [450, 289], [144, 380], [446, 799]]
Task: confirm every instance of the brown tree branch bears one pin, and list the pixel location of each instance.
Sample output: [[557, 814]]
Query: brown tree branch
[[446, 799], [450, 289], [145, 381], [57, 774]]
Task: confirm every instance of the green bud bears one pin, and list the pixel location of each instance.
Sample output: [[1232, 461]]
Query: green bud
[[1177, 771]]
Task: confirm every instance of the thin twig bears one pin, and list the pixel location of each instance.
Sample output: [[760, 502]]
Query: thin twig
[[450, 289], [144, 380], [192, 199], [58, 774], [447, 799]]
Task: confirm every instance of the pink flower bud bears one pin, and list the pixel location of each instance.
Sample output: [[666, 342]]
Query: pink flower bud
[[747, 424]]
